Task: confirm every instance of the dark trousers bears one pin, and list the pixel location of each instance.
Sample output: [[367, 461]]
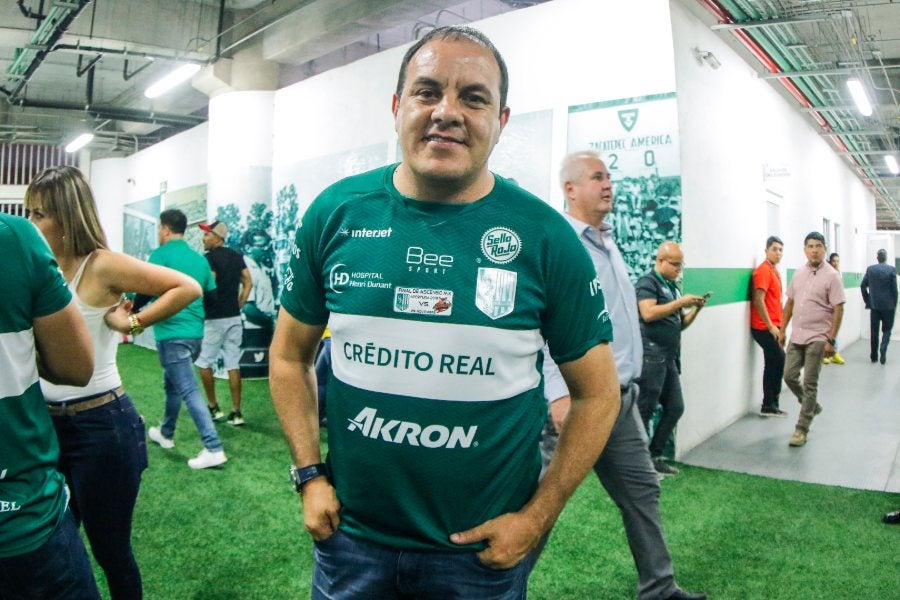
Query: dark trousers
[[660, 385], [773, 371], [627, 474], [102, 454], [58, 570], [884, 320]]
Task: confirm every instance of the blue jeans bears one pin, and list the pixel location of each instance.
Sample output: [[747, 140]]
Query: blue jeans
[[177, 359], [102, 454], [349, 568], [660, 385], [58, 570]]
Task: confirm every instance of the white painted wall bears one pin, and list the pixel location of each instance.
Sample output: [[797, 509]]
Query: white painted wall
[[558, 54], [179, 162], [733, 125]]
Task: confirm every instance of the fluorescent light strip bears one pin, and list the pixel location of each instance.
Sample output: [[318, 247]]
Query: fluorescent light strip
[[80, 142], [179, 75], [891, 163], [860, 97]]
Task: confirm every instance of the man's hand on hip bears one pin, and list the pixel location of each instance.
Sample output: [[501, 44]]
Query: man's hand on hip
[[510, 537]]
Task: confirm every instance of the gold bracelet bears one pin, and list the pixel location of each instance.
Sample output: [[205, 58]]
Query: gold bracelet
[[136, 326]]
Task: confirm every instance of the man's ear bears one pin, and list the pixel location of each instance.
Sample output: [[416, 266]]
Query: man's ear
[[395, 104], [504, 118]]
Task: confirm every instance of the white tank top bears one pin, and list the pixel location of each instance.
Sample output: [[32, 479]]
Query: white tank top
[[106, 344]]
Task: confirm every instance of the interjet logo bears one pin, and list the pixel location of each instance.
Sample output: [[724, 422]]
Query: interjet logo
[[374, 427]]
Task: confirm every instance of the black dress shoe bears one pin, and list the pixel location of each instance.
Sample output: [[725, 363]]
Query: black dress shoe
[[892, 518], [683, 595]]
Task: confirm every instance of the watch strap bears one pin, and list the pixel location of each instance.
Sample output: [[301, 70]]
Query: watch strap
[[300, 475]]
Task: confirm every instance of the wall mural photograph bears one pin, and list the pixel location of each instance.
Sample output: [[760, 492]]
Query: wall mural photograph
[[637, 138]]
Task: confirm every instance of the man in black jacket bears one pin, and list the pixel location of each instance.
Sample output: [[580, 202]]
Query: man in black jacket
[[879, 292]]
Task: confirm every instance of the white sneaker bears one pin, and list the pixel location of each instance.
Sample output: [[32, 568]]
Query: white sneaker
[[156, 435], [207, 459]]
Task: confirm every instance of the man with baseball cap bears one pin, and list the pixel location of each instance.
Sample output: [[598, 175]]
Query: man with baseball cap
[[223, 329]]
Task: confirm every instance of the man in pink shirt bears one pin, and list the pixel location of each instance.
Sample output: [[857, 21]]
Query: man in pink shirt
[[817, 305]]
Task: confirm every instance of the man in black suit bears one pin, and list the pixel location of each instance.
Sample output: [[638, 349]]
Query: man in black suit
[[879, 292]]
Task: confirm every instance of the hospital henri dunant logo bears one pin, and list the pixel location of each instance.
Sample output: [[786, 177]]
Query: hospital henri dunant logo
[[501, 245]]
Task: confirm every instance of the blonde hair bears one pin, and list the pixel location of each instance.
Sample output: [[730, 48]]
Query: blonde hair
[[64, 194]]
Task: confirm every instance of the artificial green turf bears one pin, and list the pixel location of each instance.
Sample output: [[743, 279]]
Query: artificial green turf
[[236, 532]]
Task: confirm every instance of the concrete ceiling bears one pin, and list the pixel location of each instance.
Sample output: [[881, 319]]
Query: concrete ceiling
[[70, 66], [808, 49]]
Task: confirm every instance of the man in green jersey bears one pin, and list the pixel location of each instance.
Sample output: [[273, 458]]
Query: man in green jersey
[[178, 341], [439, 282], [41, 331]]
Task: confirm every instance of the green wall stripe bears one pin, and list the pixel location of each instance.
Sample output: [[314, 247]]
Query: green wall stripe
[[726, 285], [733, 285]]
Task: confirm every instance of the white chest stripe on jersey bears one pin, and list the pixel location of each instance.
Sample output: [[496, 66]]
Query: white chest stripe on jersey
[[18, 375], [439, 361]]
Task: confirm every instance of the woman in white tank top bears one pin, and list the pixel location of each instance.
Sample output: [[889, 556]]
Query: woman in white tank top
[[101, 436]]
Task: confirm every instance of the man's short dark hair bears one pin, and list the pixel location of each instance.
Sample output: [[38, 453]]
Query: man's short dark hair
[[814, 235], [174, 219], [881, 255], [456, 33], [773, 239]]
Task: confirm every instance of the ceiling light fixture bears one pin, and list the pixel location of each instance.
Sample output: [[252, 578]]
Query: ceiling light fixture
[[179, 75], [891, 163], [80, 142], [859, 96]]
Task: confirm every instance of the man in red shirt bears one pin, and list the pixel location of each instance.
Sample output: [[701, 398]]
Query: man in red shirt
[[765, 325]]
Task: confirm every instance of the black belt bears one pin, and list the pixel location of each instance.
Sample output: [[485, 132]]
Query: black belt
[[70, 407]]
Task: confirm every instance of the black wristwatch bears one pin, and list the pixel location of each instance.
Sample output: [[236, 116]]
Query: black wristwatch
[[831, 341], [300, 475]]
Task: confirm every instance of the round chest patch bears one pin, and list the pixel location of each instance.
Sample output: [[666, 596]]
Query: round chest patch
[[500, 245]]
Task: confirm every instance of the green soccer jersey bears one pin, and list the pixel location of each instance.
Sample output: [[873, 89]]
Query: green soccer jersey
[[32, 492], [187, 323], [438, 313]]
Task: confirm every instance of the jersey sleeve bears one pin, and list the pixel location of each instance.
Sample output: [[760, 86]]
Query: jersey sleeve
[[49, 291], [576, 318], [303, 290], [554, 385]]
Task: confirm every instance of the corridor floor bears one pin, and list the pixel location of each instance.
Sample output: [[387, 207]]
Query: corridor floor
[[854, 443]]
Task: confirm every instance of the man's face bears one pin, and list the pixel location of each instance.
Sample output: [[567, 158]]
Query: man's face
[[671, 265], [815, 252], [448, 116], [774, 253], [211, 240], [162, 234], [591, 197]]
